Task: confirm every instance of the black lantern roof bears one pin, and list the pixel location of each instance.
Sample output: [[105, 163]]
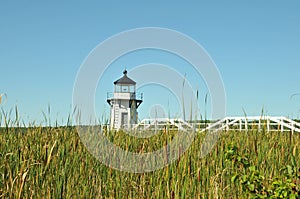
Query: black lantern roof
[[125, 79]]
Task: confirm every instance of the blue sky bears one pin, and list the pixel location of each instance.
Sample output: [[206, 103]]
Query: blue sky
[[255, 45]]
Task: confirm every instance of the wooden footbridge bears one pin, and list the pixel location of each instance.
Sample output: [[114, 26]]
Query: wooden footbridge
[[267, 123]]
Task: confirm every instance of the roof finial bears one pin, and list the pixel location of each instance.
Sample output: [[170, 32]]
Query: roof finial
[[125, 72]]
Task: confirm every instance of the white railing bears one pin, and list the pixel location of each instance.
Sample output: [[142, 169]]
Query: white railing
[[245, 123], [256, 122], [161, 123]]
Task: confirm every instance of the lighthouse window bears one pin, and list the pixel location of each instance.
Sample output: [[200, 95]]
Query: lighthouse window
[[124, 88], [118, 89], [131, 89]]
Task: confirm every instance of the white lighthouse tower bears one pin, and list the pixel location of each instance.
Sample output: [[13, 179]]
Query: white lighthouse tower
[[124, 102]]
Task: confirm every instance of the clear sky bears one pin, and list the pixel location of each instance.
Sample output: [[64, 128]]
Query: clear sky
[[255, 45]]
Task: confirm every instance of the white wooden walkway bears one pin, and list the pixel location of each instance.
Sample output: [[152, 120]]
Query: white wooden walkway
[[161, 123], [268, 123]]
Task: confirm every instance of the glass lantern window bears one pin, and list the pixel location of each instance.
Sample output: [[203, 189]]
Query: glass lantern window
[[125, 88]]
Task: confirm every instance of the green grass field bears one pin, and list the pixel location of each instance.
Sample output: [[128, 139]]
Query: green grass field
[[48, 162]]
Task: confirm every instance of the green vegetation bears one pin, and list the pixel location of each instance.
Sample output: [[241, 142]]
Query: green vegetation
[[48, 162]]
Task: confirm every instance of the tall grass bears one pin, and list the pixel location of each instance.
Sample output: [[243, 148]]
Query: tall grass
[[51, 162]]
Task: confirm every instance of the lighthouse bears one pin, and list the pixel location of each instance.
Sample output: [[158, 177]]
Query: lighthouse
[[124, 102]]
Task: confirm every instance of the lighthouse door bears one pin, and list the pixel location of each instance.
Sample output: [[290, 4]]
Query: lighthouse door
[[124, 119]]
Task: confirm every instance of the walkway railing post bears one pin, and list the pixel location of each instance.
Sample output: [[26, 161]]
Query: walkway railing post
[[227, 126], [241, 125]]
